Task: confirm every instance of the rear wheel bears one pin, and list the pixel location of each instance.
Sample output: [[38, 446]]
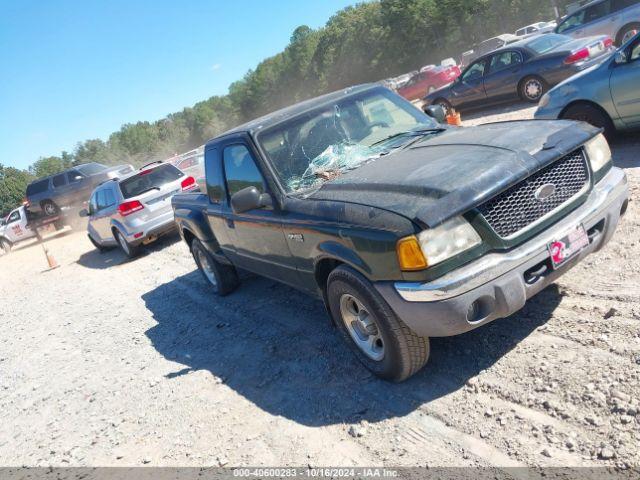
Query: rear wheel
[[532, 89], [49, 208], [129, 250], [626, 33], [222, 278], [380, 340], [590, 114]]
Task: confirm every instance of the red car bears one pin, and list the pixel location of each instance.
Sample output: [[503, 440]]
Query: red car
[[428, 80]]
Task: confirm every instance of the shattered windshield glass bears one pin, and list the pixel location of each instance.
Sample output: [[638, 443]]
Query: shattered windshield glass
[[322, 144]]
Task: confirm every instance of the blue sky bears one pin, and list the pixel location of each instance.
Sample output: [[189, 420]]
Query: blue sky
[[71, 70]]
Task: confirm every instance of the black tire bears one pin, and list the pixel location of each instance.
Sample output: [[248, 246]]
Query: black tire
[[131, 251], [5, 247], [624, 31], [591, 114], [532, 88], [99, 247], [49, 208], [445, 104], [222, 278], [404, 352]]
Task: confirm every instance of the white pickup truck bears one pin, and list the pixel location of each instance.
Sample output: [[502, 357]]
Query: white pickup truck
[[13, 229]]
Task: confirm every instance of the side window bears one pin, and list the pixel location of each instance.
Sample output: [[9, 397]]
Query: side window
[[59, 180], [597, 11], [213, 175], [101, 200], [504, 60], [475, 71], [93, 203], [109, 198], [74, 176], [571, 21], [240, 169], [14, 217], [618, 5]]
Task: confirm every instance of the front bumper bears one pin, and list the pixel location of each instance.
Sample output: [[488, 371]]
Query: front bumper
[[498, 284]]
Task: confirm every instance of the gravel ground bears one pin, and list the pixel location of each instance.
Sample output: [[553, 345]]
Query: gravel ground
[[105, 361]]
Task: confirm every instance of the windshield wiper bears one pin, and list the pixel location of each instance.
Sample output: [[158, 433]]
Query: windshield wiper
[[410, 133]]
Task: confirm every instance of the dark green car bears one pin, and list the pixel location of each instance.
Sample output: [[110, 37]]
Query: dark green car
[[607, 96], [405, 227]]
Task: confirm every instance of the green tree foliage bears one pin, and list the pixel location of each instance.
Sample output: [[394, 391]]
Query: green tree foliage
[[363, 43], [13, 183], [45, 166]]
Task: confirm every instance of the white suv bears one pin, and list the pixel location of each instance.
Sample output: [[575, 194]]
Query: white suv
[[136, 209]]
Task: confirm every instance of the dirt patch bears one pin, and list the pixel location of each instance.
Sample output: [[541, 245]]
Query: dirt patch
[[105, 361]]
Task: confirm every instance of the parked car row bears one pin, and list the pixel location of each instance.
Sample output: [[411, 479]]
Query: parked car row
[[607, 96], [523, 70]]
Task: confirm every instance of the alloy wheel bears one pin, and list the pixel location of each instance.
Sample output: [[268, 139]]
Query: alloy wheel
[[533, 89], [207, 268], [123, 243], [362, 327]]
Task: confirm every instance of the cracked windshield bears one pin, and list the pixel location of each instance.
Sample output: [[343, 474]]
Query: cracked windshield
[[321, 145]]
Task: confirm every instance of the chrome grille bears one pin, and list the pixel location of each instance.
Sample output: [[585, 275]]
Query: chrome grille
[[517, 207]]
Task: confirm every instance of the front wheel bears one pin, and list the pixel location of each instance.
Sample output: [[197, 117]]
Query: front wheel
[[222, 278], [532, 89], [593, 115], [5, 247], [380, 340]]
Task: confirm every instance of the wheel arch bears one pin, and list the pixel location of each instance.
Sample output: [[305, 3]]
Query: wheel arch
[[590, 103], [5, 239], [622, 29]]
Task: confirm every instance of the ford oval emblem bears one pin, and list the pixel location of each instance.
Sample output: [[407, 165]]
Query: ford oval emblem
[[545, 191]]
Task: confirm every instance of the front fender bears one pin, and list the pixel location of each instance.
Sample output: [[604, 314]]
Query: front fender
[[337, 251]]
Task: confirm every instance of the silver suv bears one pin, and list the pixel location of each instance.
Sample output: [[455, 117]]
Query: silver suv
[[136, 209], [620, 19]]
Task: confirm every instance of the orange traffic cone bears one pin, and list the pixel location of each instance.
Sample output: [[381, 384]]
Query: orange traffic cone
[[454, 118], [51, 260]]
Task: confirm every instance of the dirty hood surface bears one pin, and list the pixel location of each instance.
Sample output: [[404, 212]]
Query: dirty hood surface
[[447, 174]]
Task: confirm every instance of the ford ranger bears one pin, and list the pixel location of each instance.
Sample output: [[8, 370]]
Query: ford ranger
[[405, 227]]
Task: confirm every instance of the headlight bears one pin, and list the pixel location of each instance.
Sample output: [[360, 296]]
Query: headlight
[[544, 101], [436, 244], [598, 152]]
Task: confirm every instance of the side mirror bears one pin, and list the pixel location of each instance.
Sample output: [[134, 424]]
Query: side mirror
[[249, 198], [83, 213], [620, 58], [436, 112]]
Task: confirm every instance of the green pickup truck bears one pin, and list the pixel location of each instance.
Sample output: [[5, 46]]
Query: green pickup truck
[[405, 227]]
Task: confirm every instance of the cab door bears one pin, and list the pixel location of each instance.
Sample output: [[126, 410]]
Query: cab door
[[15, 230], [624, 82], [468, 89], [257, 236], [501, 80]]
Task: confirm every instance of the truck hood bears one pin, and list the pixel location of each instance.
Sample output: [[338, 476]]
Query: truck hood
[[449, 173]]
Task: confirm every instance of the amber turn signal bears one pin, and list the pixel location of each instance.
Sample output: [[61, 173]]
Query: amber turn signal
[[410, 254]]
